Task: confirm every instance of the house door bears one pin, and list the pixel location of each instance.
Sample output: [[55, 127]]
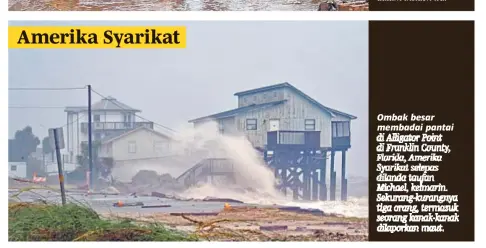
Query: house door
[[274, 125]]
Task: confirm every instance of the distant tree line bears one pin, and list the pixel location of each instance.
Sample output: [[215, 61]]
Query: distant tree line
[[25, 143], [22, 145]]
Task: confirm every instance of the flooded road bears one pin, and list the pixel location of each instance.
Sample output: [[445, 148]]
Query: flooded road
[[239, 222], [163, 5], [104, 203]]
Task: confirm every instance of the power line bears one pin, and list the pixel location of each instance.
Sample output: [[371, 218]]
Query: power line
[[79, 117], [47, 107], [38, 89], [36, 107], [145, 119], [58, 107]]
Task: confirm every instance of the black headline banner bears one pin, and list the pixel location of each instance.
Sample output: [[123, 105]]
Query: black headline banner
[[421, 132]]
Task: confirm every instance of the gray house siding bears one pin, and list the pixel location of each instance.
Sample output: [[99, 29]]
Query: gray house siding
[[227, 125], [340, 118], [291, 107], [258, 137], [261, 97], [291, 115], [138, 144]]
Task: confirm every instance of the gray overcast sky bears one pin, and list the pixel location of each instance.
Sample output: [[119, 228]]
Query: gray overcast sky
[[328, 60]]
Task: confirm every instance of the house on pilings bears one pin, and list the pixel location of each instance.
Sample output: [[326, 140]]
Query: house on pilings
[[296, 134]]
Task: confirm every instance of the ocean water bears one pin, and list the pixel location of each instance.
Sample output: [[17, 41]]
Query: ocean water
[[353, 207]]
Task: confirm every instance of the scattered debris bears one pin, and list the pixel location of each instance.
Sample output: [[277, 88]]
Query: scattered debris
[[100, 193], [359, 5], [122, 204], [161, 195], [242, 223], [148, 180], [195, 214], [273, 228], [157, 206], [227, 207], [145, 177], [336, 223], [312, 211], [215, 199], [345, 5], [290, 208], [110, 190]]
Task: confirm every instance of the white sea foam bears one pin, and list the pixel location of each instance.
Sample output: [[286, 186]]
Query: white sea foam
[[254, 180]]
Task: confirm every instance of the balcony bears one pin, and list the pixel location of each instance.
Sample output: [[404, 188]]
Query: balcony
[[113, 126], [282, 140], [341, 135]]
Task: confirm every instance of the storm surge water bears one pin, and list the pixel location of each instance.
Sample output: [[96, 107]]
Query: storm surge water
[[251, 175], [254, 181]]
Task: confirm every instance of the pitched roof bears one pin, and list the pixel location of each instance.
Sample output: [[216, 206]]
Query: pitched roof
[[108, 104], [75, 109], [114, 135], [236, 111], [110, 139], [289, 86], [262, 89]]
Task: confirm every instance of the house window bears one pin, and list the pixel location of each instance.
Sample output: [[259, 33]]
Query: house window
[[97, 118], [127, 120], [274, 94], [161, 146], [346, 128], [220, 127], [132, 147], [97, 136], [340, 129], [251, 124], [310, 124], [13, 167]]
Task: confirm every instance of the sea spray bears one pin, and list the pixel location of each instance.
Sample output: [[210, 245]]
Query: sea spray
[[254, 181], [249, 169]]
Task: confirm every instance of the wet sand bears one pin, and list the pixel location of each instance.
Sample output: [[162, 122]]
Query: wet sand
[[244, 224]]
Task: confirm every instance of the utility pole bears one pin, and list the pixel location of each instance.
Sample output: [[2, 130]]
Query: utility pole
[[57, 139], [59, 166], [90, 148]]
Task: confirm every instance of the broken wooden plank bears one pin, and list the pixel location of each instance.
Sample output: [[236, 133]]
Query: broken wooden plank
[[195, 214], [215, 199], [273, 228], [122, 204], [157, 206]]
